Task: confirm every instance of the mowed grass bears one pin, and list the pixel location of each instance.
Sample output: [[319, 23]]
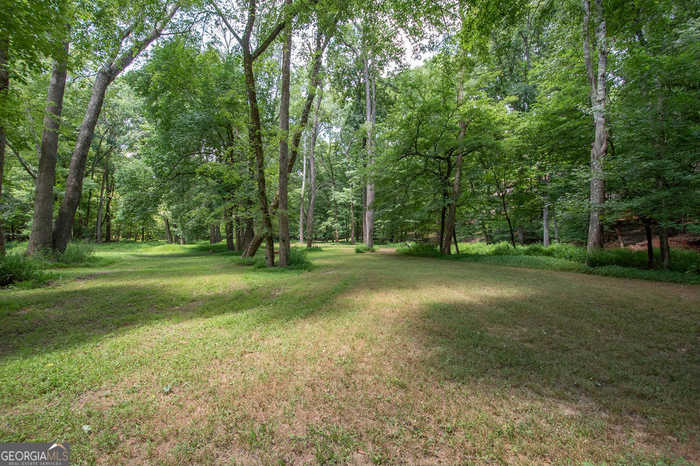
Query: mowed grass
[[178, 355]]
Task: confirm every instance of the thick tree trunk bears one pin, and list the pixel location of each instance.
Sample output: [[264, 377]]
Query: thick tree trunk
[[74, 183], [598, 93], [284, 148], [255, 137], [4, 86], [312, 177], [42, 224]]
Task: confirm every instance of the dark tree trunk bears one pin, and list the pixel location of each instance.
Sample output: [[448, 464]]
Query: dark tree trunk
[[255, 137], [650, 245], [168, 232], [41, 236], [445, 246], [664, 248]]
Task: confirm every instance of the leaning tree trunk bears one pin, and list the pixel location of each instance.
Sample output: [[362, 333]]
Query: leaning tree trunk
[[4, 86], [312, 178], [74, 182], [41, 239], [598, 96], [284, 149]]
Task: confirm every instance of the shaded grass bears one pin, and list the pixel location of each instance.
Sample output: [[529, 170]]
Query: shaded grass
[[365, 358]]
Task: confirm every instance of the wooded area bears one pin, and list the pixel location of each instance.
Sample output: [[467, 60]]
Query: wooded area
[[522, 122]]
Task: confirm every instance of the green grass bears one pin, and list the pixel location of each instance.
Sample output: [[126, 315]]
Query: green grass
[[363, 358], [623, 263]]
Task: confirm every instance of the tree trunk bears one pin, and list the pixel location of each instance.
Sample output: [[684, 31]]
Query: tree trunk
[[446, 247], [301, 200], [74, 182], [650, 244], [454, 236], [620, 241], [555, 224], [255, 138], [312, 177], [4, 86], [545, 224], [98, 226], [230, 245], [41, 239], [168, 232], [521, 235], [598, 95], [370, 109], [664, 247], [352, 215], [284, 148]]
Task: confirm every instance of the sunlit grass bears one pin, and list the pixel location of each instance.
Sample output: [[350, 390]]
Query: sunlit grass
[[179, 355]]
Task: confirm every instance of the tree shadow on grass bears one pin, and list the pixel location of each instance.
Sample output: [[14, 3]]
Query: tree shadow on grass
[[637, 365]]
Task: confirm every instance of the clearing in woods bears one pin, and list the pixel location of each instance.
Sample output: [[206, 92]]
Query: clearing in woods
[[176, 355]]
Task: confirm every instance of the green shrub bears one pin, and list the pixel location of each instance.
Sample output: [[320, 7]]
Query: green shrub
[[314, 249], [420, 250], [17, 268], [298, 259], [77, 252], [504, 249], [362, 248]]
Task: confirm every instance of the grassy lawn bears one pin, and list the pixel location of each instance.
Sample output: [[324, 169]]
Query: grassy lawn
[[176, 355]]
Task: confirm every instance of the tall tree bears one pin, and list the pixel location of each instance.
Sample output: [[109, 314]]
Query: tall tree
[[598, 95], [107, 73]]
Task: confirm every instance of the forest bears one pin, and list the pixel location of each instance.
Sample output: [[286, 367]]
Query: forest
[[514, 178]]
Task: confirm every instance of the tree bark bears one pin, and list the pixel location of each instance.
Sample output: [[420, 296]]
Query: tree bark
[[255, 137], [42, 224], [545, 224], [284, 148], [370, 109], [74, 182], [168, 232], [301, 200], [352, 215], [555, 224], [650, 245], [98, 226], [664, 248], [446, 247], [598, 94], [4, 86], [312, 177]]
